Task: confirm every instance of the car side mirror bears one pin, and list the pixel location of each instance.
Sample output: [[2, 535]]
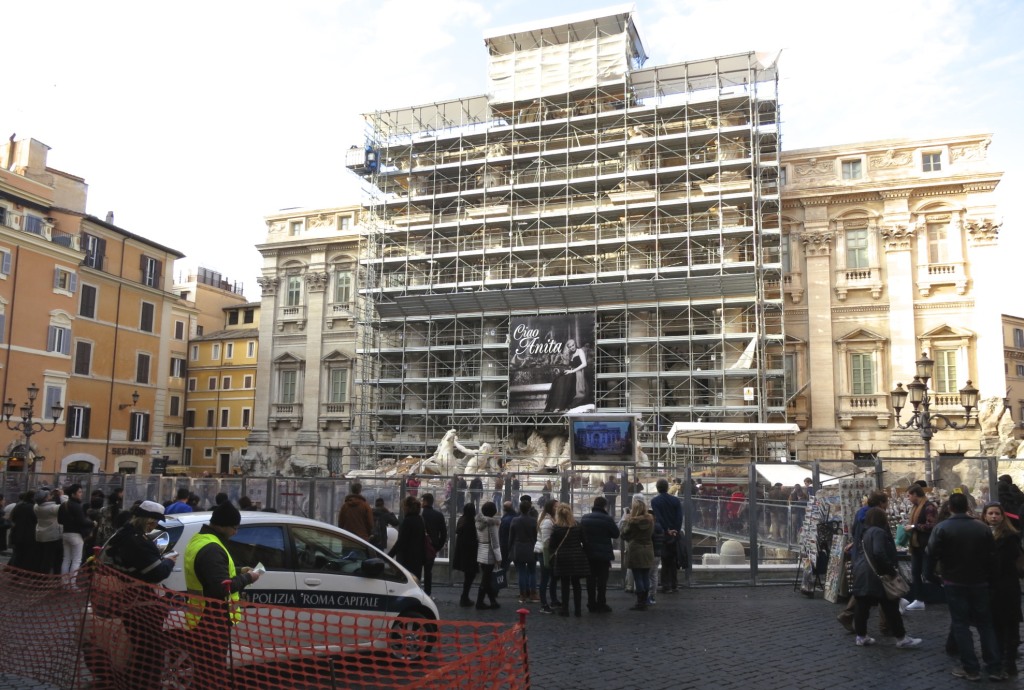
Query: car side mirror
[[372, 567]]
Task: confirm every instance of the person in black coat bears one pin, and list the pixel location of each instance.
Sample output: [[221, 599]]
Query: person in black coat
[[1005, 585], [437, 530], [476, 491], [522, 538], [875, 557], [464, 554], [23, 533], [570, 559], [409, 549], [599, 529]]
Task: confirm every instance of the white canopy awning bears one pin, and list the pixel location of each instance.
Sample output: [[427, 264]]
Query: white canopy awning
[[788, 474], [712, 433]]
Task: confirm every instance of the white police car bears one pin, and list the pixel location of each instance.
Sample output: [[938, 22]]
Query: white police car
[[321, 572]]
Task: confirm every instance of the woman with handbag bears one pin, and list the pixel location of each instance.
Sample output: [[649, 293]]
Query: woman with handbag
[[1005, 587], [875, 563], [488, 553], [464, 552], [545, 525], [570, 559]]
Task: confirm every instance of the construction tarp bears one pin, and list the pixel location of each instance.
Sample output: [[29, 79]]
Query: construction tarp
[[788, 474]]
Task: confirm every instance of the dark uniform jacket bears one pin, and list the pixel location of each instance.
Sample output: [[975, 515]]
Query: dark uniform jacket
[[132, 553]]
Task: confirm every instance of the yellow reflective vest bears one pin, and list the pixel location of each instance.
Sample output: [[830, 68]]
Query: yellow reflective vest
[[196, 602]]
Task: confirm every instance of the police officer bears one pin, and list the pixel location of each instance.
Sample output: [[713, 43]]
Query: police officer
[[130, 551], [207, 565]]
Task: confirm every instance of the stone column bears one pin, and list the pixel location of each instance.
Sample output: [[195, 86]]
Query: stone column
[[897, 238], [259, 437], [308, 439], [989, 285]]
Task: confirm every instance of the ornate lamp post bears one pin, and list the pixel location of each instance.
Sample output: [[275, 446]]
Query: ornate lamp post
[[26, 426], [922, 418]]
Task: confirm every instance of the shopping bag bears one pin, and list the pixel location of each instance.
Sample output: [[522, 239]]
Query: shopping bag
[[499, 579]]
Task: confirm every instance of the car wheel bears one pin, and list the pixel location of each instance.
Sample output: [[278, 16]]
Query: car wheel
[[412, 636], [179, 669]]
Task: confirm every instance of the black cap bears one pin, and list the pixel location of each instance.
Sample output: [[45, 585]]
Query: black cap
[[226, 515]]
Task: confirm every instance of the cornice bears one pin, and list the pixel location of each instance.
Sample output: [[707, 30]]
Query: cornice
[[967, 304], [876, 309]]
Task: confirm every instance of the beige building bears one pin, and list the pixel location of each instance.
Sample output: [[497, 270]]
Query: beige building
[[1013, 354], [307, 337], [889, 250]]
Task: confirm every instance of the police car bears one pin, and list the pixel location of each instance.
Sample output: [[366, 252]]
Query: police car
[[323, 574]]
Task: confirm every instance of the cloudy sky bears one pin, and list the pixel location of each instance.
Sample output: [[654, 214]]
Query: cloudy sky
[[194, 120]]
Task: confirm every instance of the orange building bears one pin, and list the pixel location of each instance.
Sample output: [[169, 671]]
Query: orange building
[[86, 306]]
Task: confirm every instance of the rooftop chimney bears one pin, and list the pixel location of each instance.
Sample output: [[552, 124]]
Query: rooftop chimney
[[110, 217]]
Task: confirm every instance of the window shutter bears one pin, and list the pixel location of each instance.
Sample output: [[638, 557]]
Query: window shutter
[[3, 324], [82, 352], [56, 278], [101, 252], [85, 412], [73, 283], [157, 273], [145, 428], [69, 426], [65, 343], [6, 268]]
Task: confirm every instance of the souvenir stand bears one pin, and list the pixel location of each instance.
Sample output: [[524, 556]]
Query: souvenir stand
[[838, 577]]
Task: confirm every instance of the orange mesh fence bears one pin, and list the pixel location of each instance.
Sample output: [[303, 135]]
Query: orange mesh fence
[[105, 631]]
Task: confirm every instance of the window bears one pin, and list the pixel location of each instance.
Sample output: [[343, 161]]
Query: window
[[95, 248], [944, 377], [1020, 370], [225, 383], [190, 418], [173, 439], [295, 228], [289, 379], [209, 418], [151, 269], [83, 358], [142, 368], [215, 351], [58, 339], [342, 287], [229, 350], [782, 177], [246, 417], [247, 381], [195, 353], [792, 377], [337, 385], [851, 170], [139, 427], [175, 405], [293, 297], [3, 321], [178, 367], [250, 349], [1018, 338], [931, 162], [5, 262], [250, 316], [335, 462], [33, 224], [199, 330], [3, 215], [147, 316], [344, 223], [77, 424], [233, 317], [64, 280], [54, 396], [191, 385], [179, 330], [857, 248], [186, 456], [87, 302], [784, 254], [211, 383], [862, 373], [938, 247], [224, 418]]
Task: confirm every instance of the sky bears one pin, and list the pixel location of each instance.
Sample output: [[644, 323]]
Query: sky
[[194, 121]]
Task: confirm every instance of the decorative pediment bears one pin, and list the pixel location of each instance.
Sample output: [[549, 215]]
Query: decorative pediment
[[946, 331], [288, 358], [336, 357], [862, 335]]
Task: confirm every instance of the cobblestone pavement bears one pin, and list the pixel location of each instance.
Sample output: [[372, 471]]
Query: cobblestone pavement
[[763, 638], [759, 638]]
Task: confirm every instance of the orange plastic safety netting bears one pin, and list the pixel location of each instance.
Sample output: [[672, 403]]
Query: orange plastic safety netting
[[105, 631]]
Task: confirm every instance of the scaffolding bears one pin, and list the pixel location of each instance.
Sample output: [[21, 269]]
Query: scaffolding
[[583, 183]]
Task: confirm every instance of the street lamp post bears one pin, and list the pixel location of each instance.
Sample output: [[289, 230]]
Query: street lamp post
[[922, 418], [27, 426]]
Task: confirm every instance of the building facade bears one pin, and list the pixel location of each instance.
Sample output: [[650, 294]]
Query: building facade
[[221, 392], [308, 338], [87, 306], [889, 251], [593, 235]]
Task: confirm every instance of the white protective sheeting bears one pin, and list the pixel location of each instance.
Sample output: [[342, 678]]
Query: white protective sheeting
[[788, 474]]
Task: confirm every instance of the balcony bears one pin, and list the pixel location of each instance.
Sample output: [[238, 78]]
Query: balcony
[[848, 279], [340, 313], [338, 414], [286, 413], [40, 228], [793, 285], [949, 273], [875, 405], [292, 314]]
